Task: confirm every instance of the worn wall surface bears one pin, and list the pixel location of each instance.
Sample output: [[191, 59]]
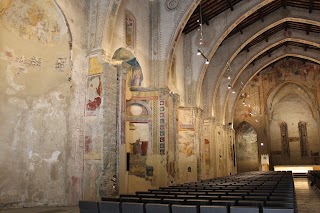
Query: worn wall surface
[[247, 148], [42, 67], [35, 99]]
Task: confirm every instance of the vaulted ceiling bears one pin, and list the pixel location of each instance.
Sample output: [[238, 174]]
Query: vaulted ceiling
[[209, 9]]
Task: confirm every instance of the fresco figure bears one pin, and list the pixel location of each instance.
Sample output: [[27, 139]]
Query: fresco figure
[[137, 77]]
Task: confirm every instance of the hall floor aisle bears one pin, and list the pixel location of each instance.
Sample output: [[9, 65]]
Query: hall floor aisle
[[307, 197]]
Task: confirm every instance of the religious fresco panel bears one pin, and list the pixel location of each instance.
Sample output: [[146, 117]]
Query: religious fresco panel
[[93, 97], [138, 138], [93, 141], [186, 143]]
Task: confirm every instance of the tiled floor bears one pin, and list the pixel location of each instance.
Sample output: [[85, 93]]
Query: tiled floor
[[308, 201], [308, 197]]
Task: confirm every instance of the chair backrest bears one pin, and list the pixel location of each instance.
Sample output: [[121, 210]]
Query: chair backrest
[[223, 202], [88, 206], [184, 209], [215, 209], [150, 200], [244, 209], [250, 203], [129, 199], [109, 207], [277, 210], [197, 202], [115, 199], [128, 207], [172, 201], [157, 208], [280, 204]]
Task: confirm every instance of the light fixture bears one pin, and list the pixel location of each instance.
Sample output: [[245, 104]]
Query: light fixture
[[199, 51], [233, 91], [261, 144], [229, 86], [229, 77]]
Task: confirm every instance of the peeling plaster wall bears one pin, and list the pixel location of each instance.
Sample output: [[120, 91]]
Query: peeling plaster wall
[[35, 98], [43, 62], [247, 148]]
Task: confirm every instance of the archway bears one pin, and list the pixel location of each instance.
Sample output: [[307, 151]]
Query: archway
[[246, 148]]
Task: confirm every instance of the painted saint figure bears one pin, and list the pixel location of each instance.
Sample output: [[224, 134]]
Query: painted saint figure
[[137, 77]]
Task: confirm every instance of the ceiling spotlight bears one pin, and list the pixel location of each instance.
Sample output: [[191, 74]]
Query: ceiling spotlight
[[207, 61], [233, 91], [229, 77], [244, 103], [229, 86], [198, 53], [198, 20], [261, 144]]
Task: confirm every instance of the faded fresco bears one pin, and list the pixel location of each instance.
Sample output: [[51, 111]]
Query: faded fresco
[[91, 173], [186, 118], [207, 152], [138, 137], [135, 74], [93, 140], [39, 20], [130, 30], [93, 99], [186, 143], [247, 148], [291, 69], [95, 67]]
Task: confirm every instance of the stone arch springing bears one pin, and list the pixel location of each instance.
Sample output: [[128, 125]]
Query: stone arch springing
[[126, 58]]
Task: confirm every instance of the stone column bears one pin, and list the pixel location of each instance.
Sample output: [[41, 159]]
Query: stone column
[[220, 139], [109, 174], [122, 180]]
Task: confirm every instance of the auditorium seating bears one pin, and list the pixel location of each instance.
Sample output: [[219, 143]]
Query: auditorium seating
[[256, 192], [314, 178]]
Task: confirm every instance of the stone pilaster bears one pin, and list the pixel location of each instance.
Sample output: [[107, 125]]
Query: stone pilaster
[[109, 174]]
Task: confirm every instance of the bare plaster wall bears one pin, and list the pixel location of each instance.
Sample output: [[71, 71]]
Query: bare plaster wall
[[247, 148], [42, 63], [35, 97]]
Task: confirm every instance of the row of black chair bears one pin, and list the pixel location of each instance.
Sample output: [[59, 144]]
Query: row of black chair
[[128, 207], [314, 178], [262, 191]]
